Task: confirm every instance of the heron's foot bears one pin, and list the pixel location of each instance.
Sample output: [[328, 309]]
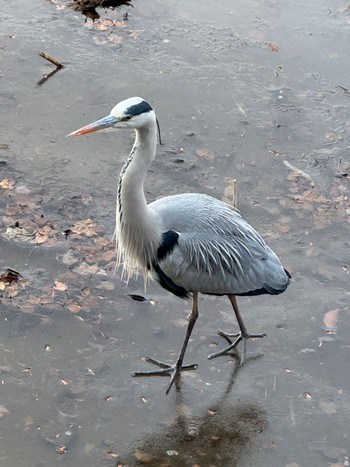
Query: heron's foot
[[233, 344], [165, 370]]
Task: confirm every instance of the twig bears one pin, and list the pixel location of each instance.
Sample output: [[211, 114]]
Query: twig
[[58, 65], [234, 193], [51, 59], [300, 172]]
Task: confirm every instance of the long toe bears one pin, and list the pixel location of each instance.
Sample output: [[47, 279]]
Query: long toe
[[233, 344], [165, 370], [226, 350]]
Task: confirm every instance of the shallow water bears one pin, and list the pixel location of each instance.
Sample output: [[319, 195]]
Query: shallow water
[[230, 107]]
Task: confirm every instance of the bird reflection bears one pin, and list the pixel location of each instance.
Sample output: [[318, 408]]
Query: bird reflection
[[221, 435]]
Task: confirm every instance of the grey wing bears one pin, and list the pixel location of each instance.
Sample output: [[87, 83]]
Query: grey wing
[[217, 251]]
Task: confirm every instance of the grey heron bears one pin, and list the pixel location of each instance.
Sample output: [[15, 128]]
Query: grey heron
[[189, 243]]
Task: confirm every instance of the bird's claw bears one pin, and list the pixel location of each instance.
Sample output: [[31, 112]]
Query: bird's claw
[[165, 370], [233, 344]]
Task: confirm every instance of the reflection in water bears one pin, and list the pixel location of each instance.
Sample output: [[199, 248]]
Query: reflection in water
[[88, 7], [221, 436]]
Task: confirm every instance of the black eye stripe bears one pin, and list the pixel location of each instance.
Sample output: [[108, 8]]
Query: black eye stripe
[[138, 109]]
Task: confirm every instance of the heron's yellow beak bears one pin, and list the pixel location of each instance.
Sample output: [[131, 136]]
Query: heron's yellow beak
[[101, 124]]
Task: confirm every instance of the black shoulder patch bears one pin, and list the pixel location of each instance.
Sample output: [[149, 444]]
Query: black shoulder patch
[[138, 109], [289, 276], [169, 285], [169, 240]]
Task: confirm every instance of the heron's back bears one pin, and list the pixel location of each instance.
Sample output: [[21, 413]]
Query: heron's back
[[215, 250]]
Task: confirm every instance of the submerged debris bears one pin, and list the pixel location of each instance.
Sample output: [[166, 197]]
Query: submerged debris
[[88, 7]]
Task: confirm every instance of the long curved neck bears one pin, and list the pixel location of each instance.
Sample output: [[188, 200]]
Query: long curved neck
[[137, 231]]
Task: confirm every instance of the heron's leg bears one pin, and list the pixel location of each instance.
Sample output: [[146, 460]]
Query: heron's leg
[[174, 370], [243, 335]]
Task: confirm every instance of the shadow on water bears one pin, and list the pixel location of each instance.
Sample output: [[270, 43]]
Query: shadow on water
[[222, 434]]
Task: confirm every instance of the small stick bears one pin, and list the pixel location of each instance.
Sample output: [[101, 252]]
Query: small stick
[[234, 193], [300, 172], [51, 59]]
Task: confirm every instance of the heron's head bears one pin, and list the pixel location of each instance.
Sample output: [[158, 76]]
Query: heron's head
[[134, 112]]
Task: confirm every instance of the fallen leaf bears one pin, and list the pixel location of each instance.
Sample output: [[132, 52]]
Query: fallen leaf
[[3, 411], [205, 153], [28, 422], [103, 24], [134, 34], [68, 258], [6, 184], [61, 286], [106, 285], [272, 46], [143, 456], [64, 382], [84, 227], [74, 307], [102, 241], [86, 269], [330, 320], [108, 255], [114, 39]]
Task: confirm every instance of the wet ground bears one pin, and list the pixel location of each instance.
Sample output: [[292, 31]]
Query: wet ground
[[255, 91]]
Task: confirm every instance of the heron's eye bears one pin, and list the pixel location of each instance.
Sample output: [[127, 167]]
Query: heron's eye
[[127, 117]]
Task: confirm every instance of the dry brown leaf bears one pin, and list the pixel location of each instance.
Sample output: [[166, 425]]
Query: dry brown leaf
[[108, 255], [74, 307], [205, 153], [114, 39], [119, 24], [61, 286], [12, 290], [69, 258], [3, 411], [330, 320], [84, 227], [106, 285], [6, 184], [103, 24], [28, 422], [102, 241], [272, 46], [143, 456], [86, 269], [134, 34]]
